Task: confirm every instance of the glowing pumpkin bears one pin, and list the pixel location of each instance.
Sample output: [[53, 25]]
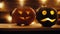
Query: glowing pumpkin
[[23, 15], [46, 16]]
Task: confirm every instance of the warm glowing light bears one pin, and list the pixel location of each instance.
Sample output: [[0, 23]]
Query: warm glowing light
[[43, 6], [55, 26], [27, 12], [58, 12], [44, 12], [43, 1], [20, 12], [52, 12], [22, 24], [1, 4], [51, 20], [22, 18], [9, 18], [9, 26], [27, 17], [21, 2], [33, 23], [58, 1]]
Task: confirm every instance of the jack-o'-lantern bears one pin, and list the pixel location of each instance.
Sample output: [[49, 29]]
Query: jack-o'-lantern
[[46, 16], [23, 15]]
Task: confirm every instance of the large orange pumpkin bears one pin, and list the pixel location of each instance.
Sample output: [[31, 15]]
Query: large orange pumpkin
[[23, 15]]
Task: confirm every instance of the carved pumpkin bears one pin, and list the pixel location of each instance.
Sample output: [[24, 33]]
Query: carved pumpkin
[[46, 16], [23, 15]]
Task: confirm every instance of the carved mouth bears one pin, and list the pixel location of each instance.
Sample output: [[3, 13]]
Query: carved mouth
[[51, 20], [24, 18]]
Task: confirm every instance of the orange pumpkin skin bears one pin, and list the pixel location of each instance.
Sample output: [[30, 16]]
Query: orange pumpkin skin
[[23, 15]]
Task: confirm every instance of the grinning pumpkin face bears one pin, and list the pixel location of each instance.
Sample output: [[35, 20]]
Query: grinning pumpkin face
[[46, 16], [23, 15]]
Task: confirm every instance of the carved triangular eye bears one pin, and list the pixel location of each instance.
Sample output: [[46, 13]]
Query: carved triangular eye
[[44, 12], [28, 12], [52, 12], [20, 12]]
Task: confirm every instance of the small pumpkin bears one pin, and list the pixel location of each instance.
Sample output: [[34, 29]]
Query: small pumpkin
[[46, 16], [23, 15]]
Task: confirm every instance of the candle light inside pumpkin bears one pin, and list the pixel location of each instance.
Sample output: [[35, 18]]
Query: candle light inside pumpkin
[[1, 4]]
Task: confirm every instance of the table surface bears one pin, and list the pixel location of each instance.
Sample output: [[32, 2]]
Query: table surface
[[34, 27]]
